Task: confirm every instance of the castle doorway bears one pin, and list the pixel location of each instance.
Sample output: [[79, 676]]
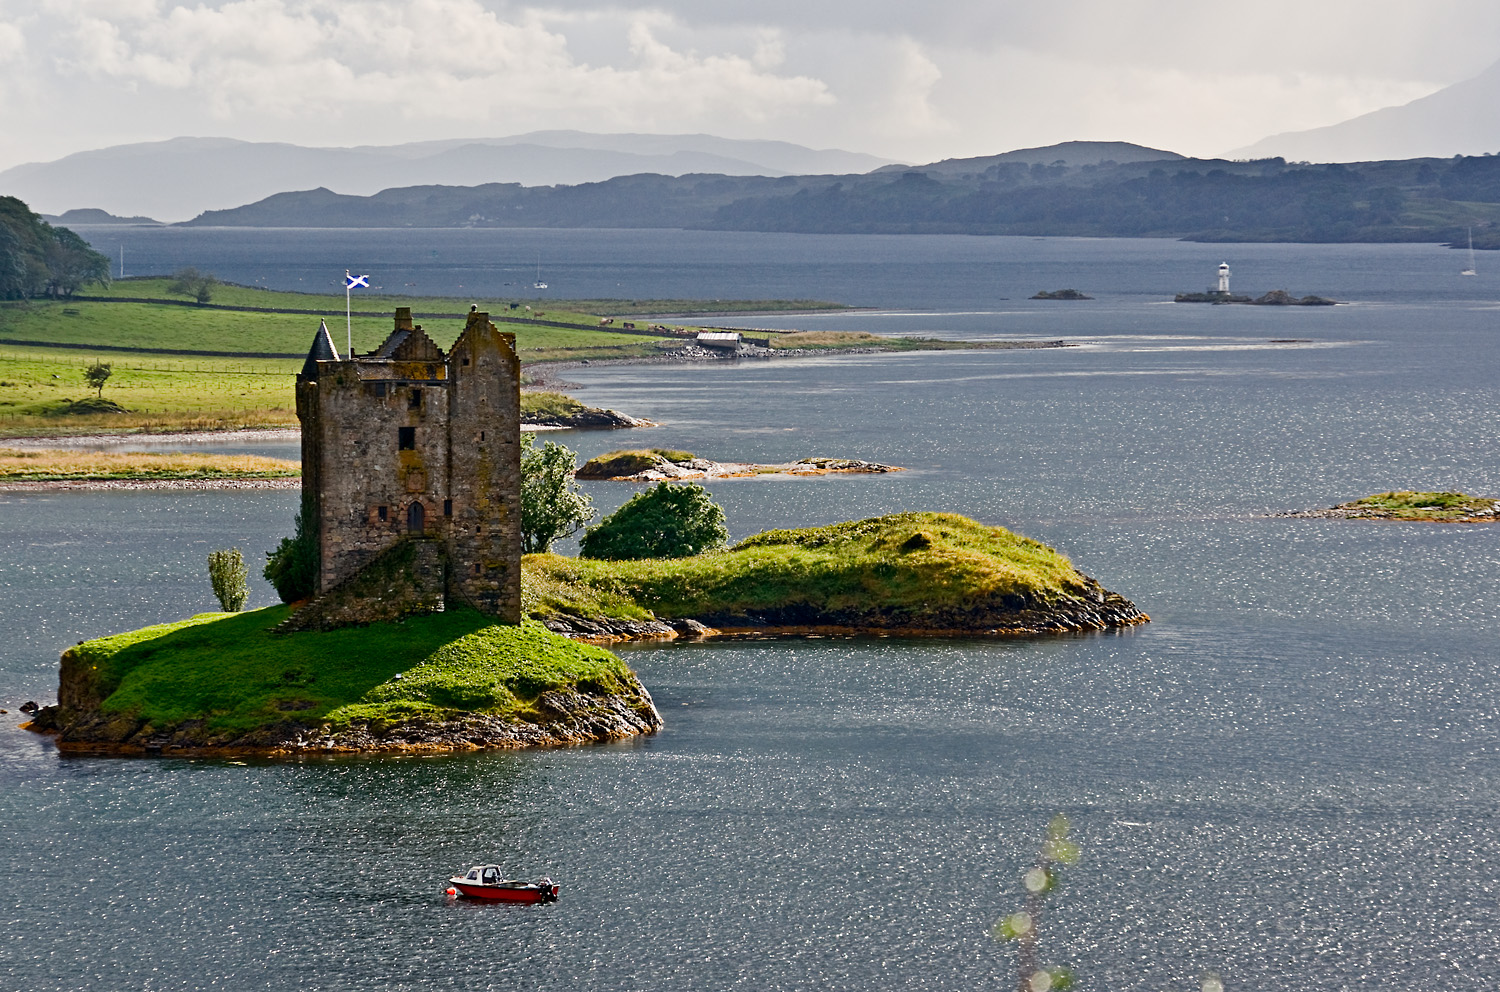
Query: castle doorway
[[416, 518]]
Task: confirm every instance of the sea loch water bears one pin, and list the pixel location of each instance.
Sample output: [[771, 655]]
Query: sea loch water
[[1289, 778]]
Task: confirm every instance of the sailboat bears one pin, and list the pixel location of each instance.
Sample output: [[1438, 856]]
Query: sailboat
[[541, 285], [1470, 270]]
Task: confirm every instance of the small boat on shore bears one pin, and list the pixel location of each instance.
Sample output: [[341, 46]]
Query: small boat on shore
[[489, 882]]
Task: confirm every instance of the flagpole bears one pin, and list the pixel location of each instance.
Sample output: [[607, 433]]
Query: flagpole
[[348, 317]]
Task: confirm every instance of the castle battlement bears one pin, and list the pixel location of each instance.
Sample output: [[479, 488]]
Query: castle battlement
[[411, 446]]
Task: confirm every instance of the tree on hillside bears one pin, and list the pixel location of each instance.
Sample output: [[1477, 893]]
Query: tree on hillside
[[97, 375], [668, 521], [552, 504], [191, 282], [38, 259], [72, 264]]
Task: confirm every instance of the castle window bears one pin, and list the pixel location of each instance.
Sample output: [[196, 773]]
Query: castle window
[[466, 361], [447, 508], [379, 389], [415, 402], [406, 438], [416, 518], [481, 435], [383, 512]]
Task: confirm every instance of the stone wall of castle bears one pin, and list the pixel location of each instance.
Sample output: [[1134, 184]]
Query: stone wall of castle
[[484, 428], [409, 443]]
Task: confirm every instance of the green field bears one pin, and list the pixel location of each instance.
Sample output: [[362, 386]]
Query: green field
[[38, 386], [182, 366], [41, 379], [84, 321], [228, 294]]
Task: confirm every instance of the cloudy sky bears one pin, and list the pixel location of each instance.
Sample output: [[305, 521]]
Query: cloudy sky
[[911, 81]]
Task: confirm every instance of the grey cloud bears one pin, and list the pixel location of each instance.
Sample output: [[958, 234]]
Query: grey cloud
[[1440, 42]]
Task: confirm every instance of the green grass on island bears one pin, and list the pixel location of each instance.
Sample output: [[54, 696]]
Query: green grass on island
[[545, 405], [912, 562], [229, 670], [1406, 505]]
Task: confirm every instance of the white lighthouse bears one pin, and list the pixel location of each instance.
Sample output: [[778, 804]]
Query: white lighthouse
[[1224, 278]]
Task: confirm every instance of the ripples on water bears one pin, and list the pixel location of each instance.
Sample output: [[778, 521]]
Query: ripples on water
[[1289, 778]]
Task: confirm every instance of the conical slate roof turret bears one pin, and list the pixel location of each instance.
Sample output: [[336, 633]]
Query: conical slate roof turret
[[322, 350]]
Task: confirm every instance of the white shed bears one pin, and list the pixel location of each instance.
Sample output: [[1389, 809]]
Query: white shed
[[728, 340]]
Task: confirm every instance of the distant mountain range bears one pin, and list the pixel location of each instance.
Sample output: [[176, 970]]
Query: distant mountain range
[[1074, 154], [1040, 192], [178, 179], [1458, 120], [1087, 189]]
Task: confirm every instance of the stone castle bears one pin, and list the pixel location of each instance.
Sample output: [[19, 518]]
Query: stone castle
[[411, 472]]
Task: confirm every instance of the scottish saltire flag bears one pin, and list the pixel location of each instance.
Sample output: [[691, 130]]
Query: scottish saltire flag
[[355, 282]]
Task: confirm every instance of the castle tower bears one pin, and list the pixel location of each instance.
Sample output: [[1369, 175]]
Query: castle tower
[[411, 470], [1224, 278]]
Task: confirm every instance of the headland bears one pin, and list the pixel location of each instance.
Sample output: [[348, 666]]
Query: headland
[[1408, 506]]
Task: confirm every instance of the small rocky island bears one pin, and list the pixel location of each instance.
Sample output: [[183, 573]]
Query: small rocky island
[[1447, 507], [234, 683], [558, 410], [1275, 298], [661, 464], [905, 574], [1060, 294]]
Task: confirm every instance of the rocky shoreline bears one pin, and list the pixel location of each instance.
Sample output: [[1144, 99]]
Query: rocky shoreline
[[588, 419], [95, 485], [548, 374], [1480, 516], [1021, 618], [577, 718]]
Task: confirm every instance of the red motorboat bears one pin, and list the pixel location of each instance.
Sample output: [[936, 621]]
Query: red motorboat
[[488, 882]]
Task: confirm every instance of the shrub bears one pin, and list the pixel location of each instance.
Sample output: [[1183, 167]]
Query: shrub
[[293, 567], [666, 521], [226, 570]]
